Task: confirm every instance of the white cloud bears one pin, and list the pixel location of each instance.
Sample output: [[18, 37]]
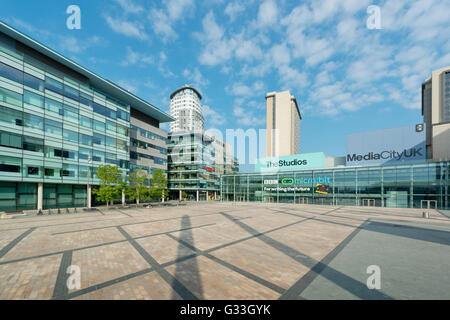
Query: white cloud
[[134, 57], [127, 28], [164, 19], [217, 49], [129, 6], [74, 45], [280, 55], [292, 78], [242, 90], [233, 9], [246, 117], [213, 117], [196, 78], [247, 50], [178, 8], [127, 86], [267, 13]]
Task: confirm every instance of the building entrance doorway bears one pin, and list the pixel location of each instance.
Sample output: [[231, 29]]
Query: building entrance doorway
[[240, 198], [303, 200], [428, 204], [269, 199], [368, 202]]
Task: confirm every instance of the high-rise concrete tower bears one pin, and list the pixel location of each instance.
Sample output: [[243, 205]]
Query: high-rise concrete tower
[[187, 109], [283, 124], [436, 113]]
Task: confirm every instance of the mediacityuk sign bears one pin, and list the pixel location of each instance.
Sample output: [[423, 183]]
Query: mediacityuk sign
[[394, 145]]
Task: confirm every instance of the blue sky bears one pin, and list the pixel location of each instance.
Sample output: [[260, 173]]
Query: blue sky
[[346, 77]]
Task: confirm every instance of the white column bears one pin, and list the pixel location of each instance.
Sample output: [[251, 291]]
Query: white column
[[181, 195], [123, 197], [89, 189], [207, 195], [197, 195], [40, 196]]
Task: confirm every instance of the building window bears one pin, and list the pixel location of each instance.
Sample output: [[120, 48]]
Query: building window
[[33, 171], [123, 115], [10, 140], [33, 99], [33, 144], [99, 126], [70, 113], [70, 136], [53, 106], [10, 97], [49, 172], [85, 140], [54, 85], [98, 156], [11, 73], [33, 82], [86, 99], [86, 122], [10, 116], [53, 127], [10, 164], [32, 121], [9, 168], [98, 139], [84, 154], [71, 93]]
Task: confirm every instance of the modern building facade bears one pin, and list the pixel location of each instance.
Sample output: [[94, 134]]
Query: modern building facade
[[196, 162], [148, 143], [60, 122], [425, 185], [283, 124], [187, 109], [436, 114], [385, 168]]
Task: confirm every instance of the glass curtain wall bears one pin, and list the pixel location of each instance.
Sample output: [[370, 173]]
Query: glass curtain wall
[[54, 128], [404, 186]]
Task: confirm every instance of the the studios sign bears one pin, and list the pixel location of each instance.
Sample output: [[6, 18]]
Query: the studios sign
[[291, 163]]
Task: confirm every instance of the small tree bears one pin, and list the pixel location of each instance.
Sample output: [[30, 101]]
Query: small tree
[[158, 187], [184, 195], [137, 190], [109, 177]]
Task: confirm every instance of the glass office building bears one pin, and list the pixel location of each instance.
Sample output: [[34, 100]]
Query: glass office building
[[59, 122], [196, 161], [424, 185]]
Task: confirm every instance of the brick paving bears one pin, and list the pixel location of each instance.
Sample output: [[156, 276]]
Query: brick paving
[[212, 251]]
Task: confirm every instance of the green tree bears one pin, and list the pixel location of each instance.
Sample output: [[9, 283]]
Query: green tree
[[158, 186], [109, 177], [137, 189]]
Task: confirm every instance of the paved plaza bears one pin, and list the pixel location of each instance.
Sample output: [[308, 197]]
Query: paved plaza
[[227, 251]]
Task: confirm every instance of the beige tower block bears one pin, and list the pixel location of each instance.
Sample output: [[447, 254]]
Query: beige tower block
[[283, 124]]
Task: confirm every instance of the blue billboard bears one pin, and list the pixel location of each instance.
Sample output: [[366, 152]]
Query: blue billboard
[[387, 146], [290, 163]]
